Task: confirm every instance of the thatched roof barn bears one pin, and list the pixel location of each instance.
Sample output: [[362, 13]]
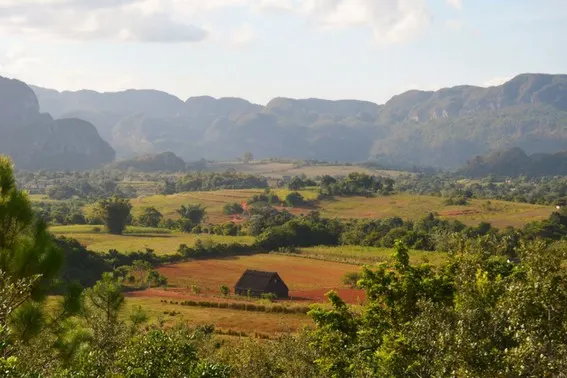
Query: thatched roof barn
[[256, 283]]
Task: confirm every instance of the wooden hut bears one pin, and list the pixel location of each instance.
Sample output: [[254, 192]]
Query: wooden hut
[[256, 282]]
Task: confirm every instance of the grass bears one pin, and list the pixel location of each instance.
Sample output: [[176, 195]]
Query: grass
[[406, 206], [42, 198], [214, 202], [498, 213], [138, 239], [278, 170], [367, 255], [224, 319]]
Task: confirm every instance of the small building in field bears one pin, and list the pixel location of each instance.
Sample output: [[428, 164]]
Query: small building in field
[[256, 282], [561, 204]]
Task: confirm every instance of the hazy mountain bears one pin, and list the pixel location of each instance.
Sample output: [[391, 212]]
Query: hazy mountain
[[515, 162], [36, 141], [442, 128]]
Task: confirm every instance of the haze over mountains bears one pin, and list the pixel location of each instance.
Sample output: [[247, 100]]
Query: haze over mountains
[[37, 141], [443, 129]]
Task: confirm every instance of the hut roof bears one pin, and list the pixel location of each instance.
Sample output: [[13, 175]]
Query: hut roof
[[257, 279]]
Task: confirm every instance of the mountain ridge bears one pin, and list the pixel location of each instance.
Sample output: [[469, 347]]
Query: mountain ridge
[[36, 140], [442, 128]]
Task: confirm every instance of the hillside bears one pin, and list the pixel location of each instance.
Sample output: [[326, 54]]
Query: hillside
[[165, 162], [515, 162], [35, 140], [443, 129]]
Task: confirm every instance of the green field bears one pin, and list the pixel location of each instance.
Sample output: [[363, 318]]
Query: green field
[[138, 239], [278, 170], [366, 255], [406, 206]]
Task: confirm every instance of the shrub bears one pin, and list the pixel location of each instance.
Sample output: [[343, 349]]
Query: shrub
[[224, 290], [269, 296], [233, 208], [294, 199], [351, 279], [195, 289]]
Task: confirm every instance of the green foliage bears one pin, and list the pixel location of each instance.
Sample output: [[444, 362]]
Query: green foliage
[[351, 279], [115, 213], [224, 290], [294, 199], [151, 217], [356, 183], [158, 354], [165, 162], [296, 183], [514, 162], [203, 181], [233, 208], [29, 262], [191, 216], [478, 316]]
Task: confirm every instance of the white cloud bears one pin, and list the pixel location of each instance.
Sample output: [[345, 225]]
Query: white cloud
[[458, 4], [392, 21], [16, 61], [94, 19], [455, 25], [242, 36], [499, 80]]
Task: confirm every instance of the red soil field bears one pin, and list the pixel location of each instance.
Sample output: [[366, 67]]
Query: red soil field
[[352, 296], [308, 280]]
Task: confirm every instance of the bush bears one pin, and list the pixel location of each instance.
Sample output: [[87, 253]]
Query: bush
[[351, 279], [195, 289], [224, 290], [233, 208], [294, 199], [269, 296]]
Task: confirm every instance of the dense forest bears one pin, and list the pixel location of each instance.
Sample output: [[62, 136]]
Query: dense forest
[[515, 162]]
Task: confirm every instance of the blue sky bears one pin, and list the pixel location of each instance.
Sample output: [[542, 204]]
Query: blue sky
[[260, 49]]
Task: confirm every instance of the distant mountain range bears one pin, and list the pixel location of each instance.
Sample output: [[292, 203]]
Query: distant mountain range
[[442, 129], [36, 141]]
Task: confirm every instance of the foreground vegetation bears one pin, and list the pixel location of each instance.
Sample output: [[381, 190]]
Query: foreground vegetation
[[488, 303]]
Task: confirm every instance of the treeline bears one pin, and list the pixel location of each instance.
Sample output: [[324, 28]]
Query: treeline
[[203, 181], [515, 162], [279, 229], [542, 191]]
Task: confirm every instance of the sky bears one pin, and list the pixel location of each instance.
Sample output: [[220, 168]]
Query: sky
[[261, 49]]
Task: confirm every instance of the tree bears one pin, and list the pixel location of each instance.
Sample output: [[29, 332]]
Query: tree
[[247, 157], [191, 216], [294, 199], [150, 218], [30, 263], [233, 208], [296, 183], [479, 315], [115, 214]]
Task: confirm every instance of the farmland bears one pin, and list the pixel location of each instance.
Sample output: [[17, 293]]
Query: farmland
[[359, 255], [306, 278], [223, 319], [498, 213], [278, 169], [138, 239], [308, 281]]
